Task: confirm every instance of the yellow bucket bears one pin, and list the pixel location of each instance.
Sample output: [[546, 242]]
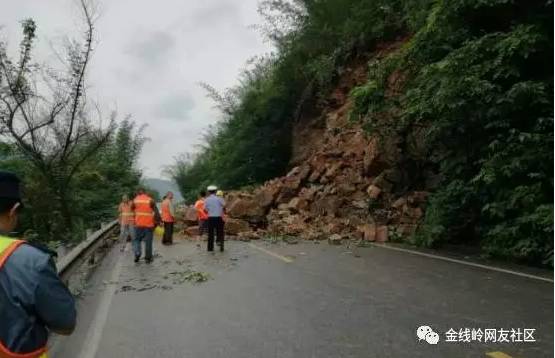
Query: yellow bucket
[[159, 232]]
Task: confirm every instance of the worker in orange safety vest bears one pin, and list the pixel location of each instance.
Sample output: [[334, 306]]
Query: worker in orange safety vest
[[126, 219], [168, 218], [33, 299], [202, 215], [147, 218]]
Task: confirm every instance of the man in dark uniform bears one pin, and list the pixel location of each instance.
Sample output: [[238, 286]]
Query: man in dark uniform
[[215, 207], [33, 299]]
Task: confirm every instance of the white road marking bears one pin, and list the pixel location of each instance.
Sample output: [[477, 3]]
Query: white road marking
[[94, 334], [277, 256], [472, 264]]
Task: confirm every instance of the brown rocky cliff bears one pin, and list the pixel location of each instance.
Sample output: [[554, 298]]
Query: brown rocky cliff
[[343, 182]]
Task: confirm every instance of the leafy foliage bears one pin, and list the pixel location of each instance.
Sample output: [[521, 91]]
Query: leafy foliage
[[314, 40], [46, 114], [96, 191], [75, 165], [479, 79]]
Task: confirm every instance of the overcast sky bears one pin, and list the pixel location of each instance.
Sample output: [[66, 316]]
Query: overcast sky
[[149, 58]]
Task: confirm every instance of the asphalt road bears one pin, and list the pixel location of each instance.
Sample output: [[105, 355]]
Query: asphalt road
[[301, 300]]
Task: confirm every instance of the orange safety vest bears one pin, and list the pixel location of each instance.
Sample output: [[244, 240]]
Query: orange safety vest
[[166, 213], [201, 213], [127, 216], [7, 247], [144, 215]]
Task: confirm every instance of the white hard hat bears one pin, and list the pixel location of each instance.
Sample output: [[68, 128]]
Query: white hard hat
[[212, 188]]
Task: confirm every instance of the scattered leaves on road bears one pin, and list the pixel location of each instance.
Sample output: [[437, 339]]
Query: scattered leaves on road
[[190, 276]]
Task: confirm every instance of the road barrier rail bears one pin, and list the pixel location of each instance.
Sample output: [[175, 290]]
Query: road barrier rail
[[85, 251]]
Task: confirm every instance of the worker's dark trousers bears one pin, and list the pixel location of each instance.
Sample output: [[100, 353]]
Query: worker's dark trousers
[[167, 239], [215, 225], [143, 234]]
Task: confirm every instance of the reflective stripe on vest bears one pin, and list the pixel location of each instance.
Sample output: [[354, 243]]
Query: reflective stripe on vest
[[7, 247], [166, 213], [144, 215]]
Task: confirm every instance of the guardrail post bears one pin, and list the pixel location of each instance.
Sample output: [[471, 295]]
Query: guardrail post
[[91, 259]]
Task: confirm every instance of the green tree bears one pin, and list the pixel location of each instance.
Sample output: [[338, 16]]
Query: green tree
[[55, 130]]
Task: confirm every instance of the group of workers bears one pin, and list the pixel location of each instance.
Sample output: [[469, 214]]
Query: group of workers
[[139, 218], [34, 300]]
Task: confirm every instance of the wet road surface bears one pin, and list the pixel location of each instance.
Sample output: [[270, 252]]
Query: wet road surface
[[302, 300]]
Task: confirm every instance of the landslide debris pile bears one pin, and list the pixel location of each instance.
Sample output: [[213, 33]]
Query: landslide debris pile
[[346, 185], [458, 103]]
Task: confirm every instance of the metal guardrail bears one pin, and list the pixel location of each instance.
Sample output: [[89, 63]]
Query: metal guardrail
[[82, 252]]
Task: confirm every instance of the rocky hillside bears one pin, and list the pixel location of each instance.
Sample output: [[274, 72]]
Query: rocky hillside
[[344, 183], [392, 117]]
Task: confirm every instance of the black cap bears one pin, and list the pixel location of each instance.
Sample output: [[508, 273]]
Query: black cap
[[10, 187]]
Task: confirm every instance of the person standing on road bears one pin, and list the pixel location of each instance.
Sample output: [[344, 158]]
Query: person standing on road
[[215, 206], [126, 219], [202, 215], [147, 218], [168, 218], [33, 299], [220, 194]]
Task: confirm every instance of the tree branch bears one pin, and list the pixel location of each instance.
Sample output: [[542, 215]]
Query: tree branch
[[81, 76]]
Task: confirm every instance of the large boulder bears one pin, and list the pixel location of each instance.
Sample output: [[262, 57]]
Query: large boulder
[[367, 232], [331, 172], [315, 176], [346, 188], [191, 231], [297, 204], [318, 164], [289, 189], [300, 172], [236, 226], [308, 193], [373, 163], [245, 208], [327, 205], [190, 215], [399, 203], [304, 173], [266, 195], [382, 233], [293, 172]]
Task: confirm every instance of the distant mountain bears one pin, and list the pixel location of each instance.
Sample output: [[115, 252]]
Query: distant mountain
[[162, 186]]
